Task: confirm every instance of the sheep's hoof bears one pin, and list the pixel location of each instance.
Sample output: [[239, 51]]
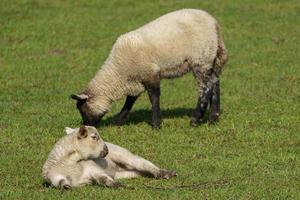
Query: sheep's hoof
[[194, 122], [213, 117], [156, 126], [166, 174], [156, 123]]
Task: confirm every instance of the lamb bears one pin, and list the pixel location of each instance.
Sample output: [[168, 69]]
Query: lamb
[[82, 157], [168, 47]]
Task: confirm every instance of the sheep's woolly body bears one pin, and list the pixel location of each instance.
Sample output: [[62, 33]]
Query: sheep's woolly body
[[167, 47]]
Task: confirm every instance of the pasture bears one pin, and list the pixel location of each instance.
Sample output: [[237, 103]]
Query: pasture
[[51, 48]]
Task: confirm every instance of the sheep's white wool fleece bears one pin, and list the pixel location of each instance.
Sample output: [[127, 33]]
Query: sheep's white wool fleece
[[167, 47]]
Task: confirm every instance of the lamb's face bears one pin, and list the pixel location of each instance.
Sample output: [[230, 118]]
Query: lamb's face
[[90, 144], [90, 110]]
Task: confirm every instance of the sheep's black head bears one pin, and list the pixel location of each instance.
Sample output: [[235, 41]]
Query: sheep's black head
[[88, 109]]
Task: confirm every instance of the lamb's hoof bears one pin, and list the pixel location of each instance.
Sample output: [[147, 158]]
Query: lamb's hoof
[[166, 174], [66, 187], [63, 185], [116, 185], [213, 117]]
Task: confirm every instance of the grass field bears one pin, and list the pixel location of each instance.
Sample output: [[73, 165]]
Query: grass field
[[51, 48]]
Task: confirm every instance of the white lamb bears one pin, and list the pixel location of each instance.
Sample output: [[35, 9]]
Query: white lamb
[[82, 157], [168, 47]]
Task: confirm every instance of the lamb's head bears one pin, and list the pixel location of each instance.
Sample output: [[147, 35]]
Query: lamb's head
[[89, 144], [92, 109]]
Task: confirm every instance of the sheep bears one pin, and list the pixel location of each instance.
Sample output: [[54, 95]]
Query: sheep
[[82, 157], [168, 47]]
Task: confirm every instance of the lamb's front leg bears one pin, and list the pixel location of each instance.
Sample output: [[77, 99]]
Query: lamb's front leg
[[120, 119], [60, 181], [154, 95], [133, 162]]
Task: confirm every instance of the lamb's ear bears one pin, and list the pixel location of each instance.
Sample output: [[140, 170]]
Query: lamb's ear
[[79, 97], [82, 133], [69, 130]]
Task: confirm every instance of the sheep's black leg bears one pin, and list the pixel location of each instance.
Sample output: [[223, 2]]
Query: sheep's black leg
[[215, 106], [122, 116], [154, 95], [201, 107], [206, 80]]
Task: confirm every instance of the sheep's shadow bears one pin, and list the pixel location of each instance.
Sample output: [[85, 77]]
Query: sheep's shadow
[[144, 115]]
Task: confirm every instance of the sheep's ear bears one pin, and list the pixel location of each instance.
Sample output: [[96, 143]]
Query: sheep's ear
[[79, 97], [69, 130], [83, 132]]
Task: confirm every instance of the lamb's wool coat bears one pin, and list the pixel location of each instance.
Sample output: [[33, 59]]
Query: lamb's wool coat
[[167, 47], [76, 161], [65, 156]]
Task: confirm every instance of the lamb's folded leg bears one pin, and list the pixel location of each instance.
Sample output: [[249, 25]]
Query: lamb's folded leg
[[106, 180], [129, 161], [60, 181], [120, 118], [127, 174], [215, 103], [64, 184], [154, 95]]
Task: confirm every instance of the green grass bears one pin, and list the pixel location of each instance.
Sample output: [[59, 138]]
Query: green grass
[[51, 48]]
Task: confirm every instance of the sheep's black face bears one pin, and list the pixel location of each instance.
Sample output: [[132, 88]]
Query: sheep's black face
[[91, 120], [89, 116]]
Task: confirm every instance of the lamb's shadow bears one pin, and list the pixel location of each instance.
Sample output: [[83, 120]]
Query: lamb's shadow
[[144, 115]]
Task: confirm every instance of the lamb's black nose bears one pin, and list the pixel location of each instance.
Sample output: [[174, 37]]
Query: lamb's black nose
[[104, 152]]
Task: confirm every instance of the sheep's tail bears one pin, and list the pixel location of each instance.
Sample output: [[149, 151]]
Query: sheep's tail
[[222, 56]]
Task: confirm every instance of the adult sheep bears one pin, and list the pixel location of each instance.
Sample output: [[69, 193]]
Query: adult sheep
[[168, 47]]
